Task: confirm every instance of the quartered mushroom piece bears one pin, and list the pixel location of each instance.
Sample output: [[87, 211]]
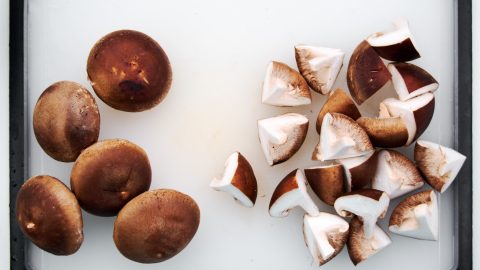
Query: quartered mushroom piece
[[360, 247], [338, 102], [368, 204], [439, 164], [387, 132], [396, 174], [416, 113], [341, 137], [284, 86], [326, 181], [319, 66], [359, 171], [416, 216], [238, 180], [325, 236], [290, 193], [396, 44], [281, 136], [410, 80]]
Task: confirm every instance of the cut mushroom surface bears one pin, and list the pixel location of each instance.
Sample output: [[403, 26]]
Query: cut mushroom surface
[[439, 164], [341, 137], [396, 174], [282, 136], [410, 80], [326, 181], [290, 193], [366, 73], [238, 180], [416, 216], [284, 86], [396, 44], [368, 204], [319, 66], [388, 132], [416, 113], [338, 102], [325, 236], [361, 248], [359, 171]]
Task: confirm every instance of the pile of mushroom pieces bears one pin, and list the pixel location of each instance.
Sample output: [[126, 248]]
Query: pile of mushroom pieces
[[358, 174]]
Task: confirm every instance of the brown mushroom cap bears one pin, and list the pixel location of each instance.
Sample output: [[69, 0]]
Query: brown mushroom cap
[[49, 215], [129, 71], [366, 73], [327, 182], [156, 225], [385, 132], [108, 174], [66, 120]]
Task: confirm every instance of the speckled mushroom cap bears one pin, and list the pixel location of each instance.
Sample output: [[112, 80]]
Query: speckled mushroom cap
[[66, 120], [156, 225], [129, 71], [49, 215]]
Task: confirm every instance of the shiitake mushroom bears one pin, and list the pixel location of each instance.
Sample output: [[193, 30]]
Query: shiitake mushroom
[[108, 174], [66, 120], [156, 225], [49, 215], [129, 71]]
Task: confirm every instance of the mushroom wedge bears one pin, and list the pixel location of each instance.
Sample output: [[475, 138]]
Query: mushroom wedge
[[238, 180], [439, 164], [325, 236], [416, 216], [290, 193]]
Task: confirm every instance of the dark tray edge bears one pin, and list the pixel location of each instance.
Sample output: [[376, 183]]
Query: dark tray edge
[[463, 131]]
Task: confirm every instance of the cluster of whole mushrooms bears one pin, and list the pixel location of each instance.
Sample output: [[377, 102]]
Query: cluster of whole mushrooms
[[358, 175], [129, 71]]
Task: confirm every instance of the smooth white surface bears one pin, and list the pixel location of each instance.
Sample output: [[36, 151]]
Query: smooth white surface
[[475, 131], [4, 168], [219, 51]]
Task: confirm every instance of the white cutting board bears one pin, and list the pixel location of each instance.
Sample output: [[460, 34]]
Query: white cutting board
[[219, 51]]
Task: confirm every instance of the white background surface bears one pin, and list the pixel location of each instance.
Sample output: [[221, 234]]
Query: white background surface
[[193, 78]]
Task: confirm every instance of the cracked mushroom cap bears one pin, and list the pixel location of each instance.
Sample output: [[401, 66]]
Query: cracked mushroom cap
[[439, 164], [416, 216], [326, 181], [49, 215], [325, 236], [338, 102], [390, 132], [396, 174], [341, 137], [290, 193], [156, 225], [282, 136], [368, 204], [366, 73], [66, 120], [129, 71], [359, 171], [361, 248], [416, 113], [238, 180], [396, 44], [410, 80], [284, 86], [319, 66], [108, 174]]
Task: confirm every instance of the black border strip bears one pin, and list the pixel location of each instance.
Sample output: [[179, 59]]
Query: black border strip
[[17, 128], [463, 114]]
